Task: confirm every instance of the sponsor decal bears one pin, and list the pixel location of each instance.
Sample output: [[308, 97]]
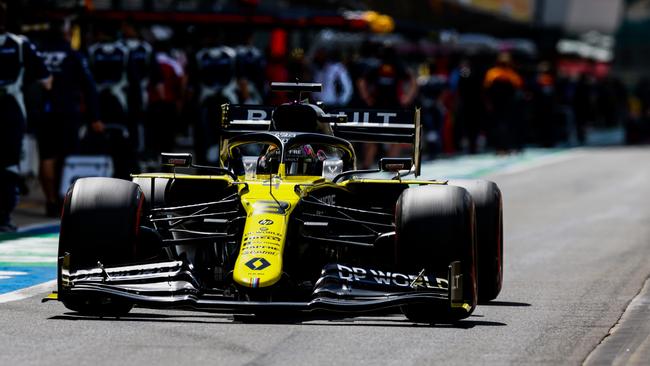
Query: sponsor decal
[[388, 278], [260, 252], [255, 282], [330, 199], [54, 60], [256, 114], [261, 249], [270, 246], [257, 264], [261, 237], [262, 241], [366, 117], [261, 231], [176, 161]]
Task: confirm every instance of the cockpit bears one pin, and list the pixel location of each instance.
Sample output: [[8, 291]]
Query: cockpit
[[286, 154]]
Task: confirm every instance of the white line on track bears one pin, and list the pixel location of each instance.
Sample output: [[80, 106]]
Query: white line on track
[[28, 292], [541, 161]]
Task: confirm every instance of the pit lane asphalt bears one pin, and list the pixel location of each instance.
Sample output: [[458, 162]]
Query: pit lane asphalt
[[576, 253]]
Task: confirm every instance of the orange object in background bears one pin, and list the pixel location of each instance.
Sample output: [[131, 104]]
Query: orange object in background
[[503, 74]]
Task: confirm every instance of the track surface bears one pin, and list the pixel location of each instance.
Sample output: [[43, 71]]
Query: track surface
[[577, 247]]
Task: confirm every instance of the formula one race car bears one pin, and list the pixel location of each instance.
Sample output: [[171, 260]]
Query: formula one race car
[[285, 223]]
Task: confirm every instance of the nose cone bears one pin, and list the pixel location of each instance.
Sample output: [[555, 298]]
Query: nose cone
[[260, 259]]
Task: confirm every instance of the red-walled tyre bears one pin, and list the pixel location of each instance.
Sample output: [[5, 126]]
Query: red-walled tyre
[[435, 226], [100, 223], [489, 235]]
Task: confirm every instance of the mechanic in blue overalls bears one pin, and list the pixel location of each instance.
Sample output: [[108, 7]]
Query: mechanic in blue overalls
[[21, 63], [216, 85], [139, 65], [58, 132], [109, 63], [250, 68]]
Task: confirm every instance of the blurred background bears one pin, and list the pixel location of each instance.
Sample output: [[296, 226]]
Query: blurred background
[[490, 76]]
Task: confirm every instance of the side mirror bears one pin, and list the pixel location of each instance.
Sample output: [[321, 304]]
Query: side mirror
[[183, 160], [395, 165]]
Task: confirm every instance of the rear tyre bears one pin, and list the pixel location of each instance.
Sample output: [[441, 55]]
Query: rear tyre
[[435, 226], [100, 223], [489, 235]]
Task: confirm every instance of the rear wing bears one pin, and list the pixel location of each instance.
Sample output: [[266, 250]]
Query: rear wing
[[376, 125], [237, 119], [359, 125], [382, 126]]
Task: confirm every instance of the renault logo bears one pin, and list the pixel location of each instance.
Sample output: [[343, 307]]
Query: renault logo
[[257, 264]]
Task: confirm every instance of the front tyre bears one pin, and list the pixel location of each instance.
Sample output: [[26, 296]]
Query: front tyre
[[100, 223], [435, 226]]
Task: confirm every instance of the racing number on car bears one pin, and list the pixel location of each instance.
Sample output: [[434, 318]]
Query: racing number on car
[[271, 207]]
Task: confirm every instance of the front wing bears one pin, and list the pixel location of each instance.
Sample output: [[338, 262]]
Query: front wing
[[340, 288]]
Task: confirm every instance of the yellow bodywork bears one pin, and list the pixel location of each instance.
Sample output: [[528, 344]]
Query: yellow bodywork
[[268, 202]]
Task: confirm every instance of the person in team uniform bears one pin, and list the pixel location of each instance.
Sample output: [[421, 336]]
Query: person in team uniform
[[503, 86], [388, 84], [466, 84], [140, 65], [166, 92], [109, 64], [215, 84], [432, 89], [21, 63], [329, 71], [58, 131], [250, 67]]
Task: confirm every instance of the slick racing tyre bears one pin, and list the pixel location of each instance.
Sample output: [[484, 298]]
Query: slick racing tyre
[[435, 226], [100, 223], [489, 235]]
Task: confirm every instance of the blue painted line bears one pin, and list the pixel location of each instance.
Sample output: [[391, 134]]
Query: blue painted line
[[28, 258], [40, 229], [14, 278]]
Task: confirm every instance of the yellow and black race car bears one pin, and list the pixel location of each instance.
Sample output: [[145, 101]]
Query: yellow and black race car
[[286, 223]]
